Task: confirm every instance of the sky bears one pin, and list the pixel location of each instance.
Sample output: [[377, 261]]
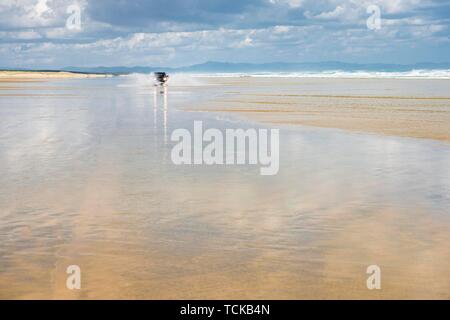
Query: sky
[[89, 33]]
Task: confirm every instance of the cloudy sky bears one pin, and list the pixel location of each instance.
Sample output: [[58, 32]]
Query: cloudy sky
[[46, 33]]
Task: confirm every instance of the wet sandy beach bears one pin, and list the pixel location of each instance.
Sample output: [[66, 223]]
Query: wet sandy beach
[[26, 76], [417, 108], [86, 179]]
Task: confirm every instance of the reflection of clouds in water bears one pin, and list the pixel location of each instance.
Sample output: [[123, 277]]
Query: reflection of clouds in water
[[143, 228], [41, 137], [372, 168]]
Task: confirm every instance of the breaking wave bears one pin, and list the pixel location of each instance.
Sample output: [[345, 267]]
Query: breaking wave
[[413, 74]]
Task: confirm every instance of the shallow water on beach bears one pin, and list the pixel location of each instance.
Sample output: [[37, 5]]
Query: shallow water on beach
[[86, 179]]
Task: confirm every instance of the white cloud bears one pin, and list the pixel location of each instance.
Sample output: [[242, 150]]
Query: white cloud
[[290, 3], [392, 6], [336, 13], [281, 29], [21, 35], [40, 8]]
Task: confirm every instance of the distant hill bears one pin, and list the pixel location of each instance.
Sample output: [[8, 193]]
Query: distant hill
[[224, 67]]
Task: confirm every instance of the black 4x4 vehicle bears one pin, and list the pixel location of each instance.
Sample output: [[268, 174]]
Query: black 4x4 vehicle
[[161, 78]]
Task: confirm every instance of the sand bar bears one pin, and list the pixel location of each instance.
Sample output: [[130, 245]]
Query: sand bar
[[418, 108], [22, 76]]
